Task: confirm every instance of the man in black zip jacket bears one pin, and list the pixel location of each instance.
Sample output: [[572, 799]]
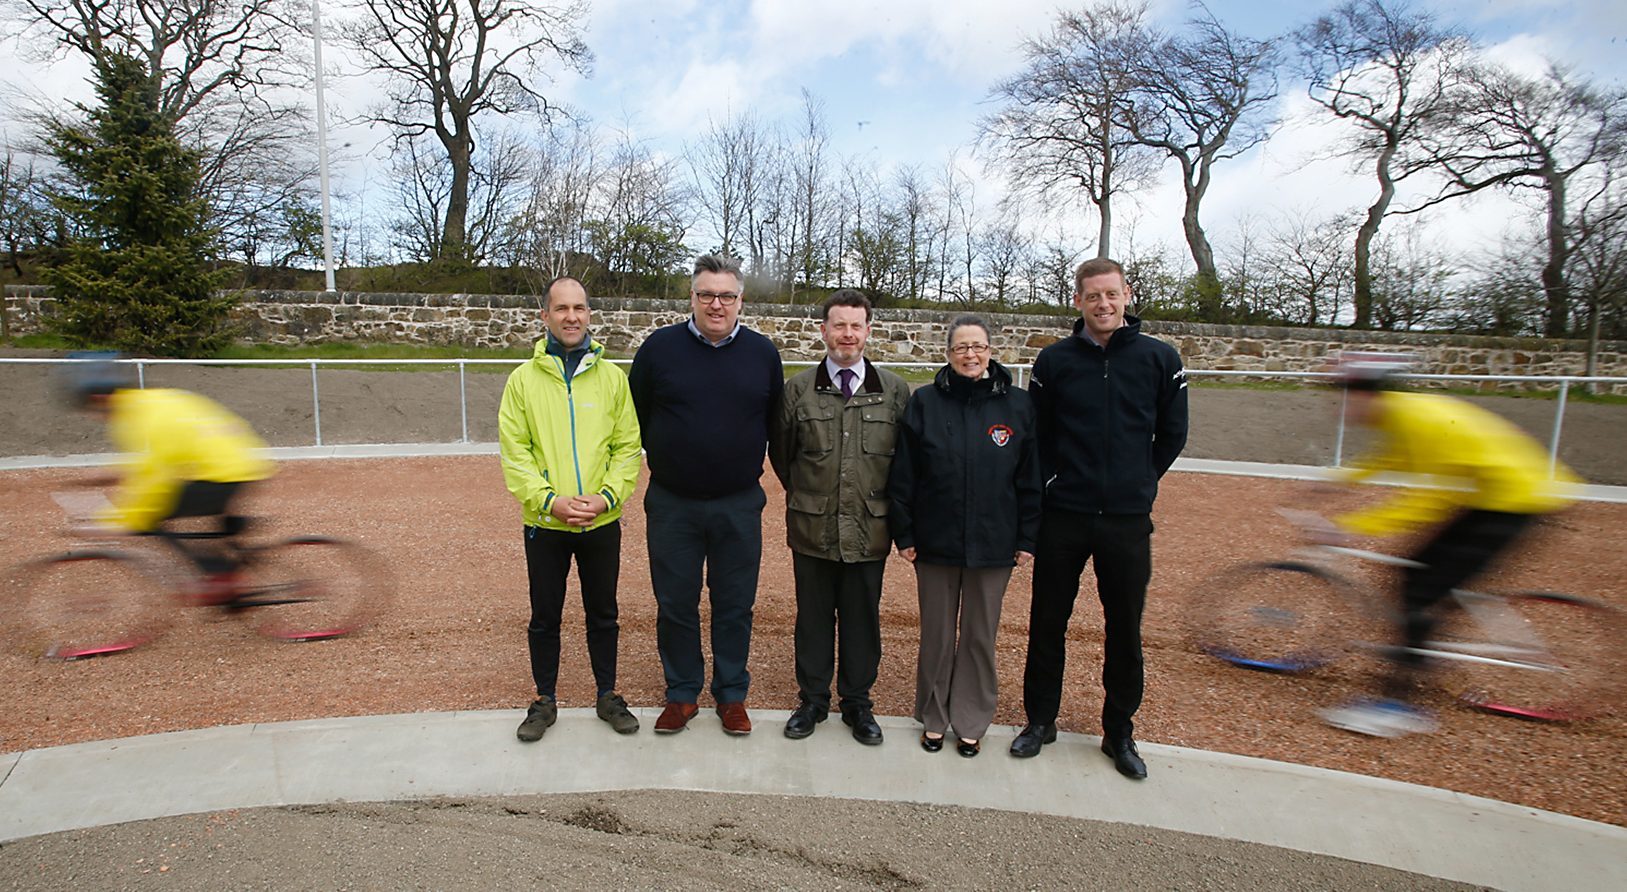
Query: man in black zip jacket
[[1111, 407]]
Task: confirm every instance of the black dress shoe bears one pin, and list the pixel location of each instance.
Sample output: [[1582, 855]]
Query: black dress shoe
[[968, 748], [865, 729], [1028, 743], [1125, 758], [931, 744], [802, 722]]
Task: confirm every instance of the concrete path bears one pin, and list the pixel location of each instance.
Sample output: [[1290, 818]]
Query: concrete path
[[380, 758]]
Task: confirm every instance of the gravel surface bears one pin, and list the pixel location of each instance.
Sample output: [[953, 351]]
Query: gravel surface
[[454, 637]]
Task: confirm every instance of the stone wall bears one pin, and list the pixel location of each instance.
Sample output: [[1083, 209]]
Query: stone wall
[[479, 320]]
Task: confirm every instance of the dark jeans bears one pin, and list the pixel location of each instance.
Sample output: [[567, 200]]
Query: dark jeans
[[211, 552], [1460, 551], [548, 556], [838, 606], [722, 538], [1121, 545]]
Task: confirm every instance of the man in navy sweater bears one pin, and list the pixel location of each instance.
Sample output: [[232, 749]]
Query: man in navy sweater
[[1111, 409], [705, 390]]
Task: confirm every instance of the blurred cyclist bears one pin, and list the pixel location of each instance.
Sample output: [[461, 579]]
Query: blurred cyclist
[[186, 456], [1491, 482]]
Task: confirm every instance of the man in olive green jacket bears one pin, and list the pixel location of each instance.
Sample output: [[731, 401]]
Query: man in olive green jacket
[[831, 445], [569, 441]]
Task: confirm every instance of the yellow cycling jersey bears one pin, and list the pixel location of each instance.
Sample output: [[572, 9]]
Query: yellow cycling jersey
[[172, 437], [1479, 461]]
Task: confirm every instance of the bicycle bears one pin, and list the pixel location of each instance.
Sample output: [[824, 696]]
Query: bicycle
[[108, 596], [1543, 656]]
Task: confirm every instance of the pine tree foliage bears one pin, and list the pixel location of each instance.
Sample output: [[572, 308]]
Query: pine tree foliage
[[138, 274]]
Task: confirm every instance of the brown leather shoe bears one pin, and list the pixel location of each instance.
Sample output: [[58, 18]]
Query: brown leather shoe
[[735, 720], [675, 717]]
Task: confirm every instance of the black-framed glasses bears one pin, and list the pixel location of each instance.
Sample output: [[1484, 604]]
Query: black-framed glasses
[[726, 298], [969, 349]]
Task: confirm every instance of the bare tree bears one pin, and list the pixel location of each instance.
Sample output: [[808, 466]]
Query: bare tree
[[637, 229], [548, 237], [1059, 127], [1312, 264], [1053, 267], [1547, 133], [1386, 69], [1201, 97], [914, 210], [24, 209], [1600, 261], [1412, 280], [959, 225], [727, 163], [222, 71], [452, 62], [1004, 249], [808, 158]]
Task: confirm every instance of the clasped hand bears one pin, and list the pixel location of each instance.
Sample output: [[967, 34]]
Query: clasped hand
[[578, 511]]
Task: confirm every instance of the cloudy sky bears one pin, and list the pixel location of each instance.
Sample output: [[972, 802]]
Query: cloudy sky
[[904, 82]]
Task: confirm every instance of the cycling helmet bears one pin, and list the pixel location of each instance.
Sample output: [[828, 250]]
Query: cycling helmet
[[1362, 370], [93, 374]]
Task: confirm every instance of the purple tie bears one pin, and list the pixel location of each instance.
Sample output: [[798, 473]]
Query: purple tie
[[847, 377]]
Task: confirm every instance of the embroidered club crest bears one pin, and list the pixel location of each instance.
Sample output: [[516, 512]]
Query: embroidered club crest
[[1000, 434]]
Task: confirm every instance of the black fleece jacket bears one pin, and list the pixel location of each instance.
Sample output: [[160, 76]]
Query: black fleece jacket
[[965, 484], [1111, 419]]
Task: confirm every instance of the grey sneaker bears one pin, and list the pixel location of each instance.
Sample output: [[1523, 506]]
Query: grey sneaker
[[538, 719], [613, 709]]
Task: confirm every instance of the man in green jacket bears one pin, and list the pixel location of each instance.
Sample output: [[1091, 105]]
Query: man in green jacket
[[569, 442], [831, 445]]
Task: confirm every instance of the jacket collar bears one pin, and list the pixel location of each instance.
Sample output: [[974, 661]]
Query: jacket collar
[[547, 348], [1125, 332], [995, 383], [870, 384]]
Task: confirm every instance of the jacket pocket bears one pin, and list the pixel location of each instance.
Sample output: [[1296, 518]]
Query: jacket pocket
[[816, 429], [879, 431], [807, 502]]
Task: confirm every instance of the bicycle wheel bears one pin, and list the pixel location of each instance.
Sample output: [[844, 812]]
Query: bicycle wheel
[[88, 604], [1533, 655], [1274, 617], [311, 588]]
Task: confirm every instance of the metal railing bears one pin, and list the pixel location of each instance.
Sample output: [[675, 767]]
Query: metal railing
[[1020, 371]]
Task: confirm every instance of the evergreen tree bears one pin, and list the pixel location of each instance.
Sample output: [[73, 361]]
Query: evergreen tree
[[137, 274]]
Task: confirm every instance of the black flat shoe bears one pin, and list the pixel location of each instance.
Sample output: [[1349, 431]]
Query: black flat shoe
[[1125, 758], [968, 748], [865, 728], [1028, 743], [802, 722], [931, 744]]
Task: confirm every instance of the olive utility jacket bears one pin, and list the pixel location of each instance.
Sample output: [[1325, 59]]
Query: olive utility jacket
[[833, 457]]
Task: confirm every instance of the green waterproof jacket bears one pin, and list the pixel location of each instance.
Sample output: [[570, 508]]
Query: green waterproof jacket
[[560, 438], [833, 456]]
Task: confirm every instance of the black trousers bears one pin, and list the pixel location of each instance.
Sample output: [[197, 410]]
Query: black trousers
[[213, 554], [838, 629], [548, 556], [1462, 550], [1121, 545]]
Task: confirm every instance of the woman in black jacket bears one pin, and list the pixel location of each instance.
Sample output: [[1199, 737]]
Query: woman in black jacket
[[965, 491]]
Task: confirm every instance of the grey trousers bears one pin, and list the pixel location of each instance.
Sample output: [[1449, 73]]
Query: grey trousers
[[956, 683]]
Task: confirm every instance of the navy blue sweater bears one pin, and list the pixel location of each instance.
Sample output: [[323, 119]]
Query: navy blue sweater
[[703, 411]]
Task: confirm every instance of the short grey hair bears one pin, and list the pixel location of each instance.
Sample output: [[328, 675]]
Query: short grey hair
[[718, 263], [963, 321]]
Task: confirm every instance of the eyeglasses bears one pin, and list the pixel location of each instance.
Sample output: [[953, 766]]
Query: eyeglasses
[[969, 349], [726, 298]]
